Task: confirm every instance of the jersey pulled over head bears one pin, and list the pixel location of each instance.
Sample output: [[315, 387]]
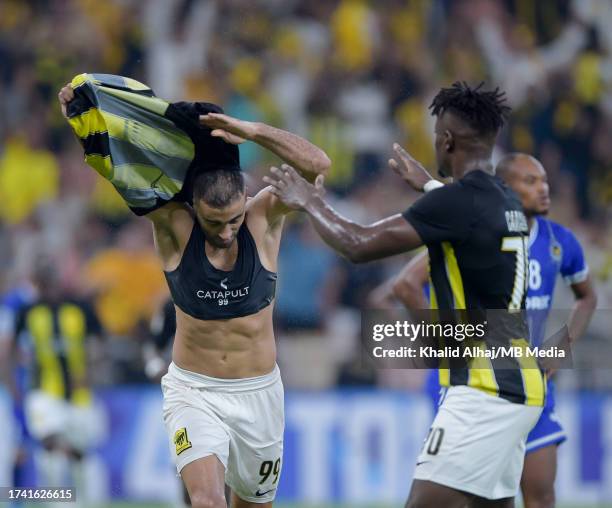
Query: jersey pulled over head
[[152, 151], [467, 123], [215, 185]]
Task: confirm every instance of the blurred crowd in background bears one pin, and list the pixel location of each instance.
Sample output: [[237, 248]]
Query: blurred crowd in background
[[353, 76]]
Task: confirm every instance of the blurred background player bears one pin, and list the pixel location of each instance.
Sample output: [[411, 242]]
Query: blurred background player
[[156, 350], [479, 259], [9, 449], [13, 452], [553, 250], [220, 260], [53, 332]]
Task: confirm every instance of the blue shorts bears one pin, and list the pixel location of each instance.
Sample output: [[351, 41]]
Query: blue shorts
[[546, 432], [432, 388]]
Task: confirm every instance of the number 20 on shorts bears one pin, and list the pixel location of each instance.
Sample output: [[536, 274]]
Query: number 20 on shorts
[[434, 440]]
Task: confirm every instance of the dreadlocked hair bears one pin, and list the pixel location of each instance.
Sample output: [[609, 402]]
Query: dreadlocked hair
[[484, 111]]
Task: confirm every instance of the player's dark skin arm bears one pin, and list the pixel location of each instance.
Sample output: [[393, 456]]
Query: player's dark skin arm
[[408, 285], [584, 306], [406, 288], [382, 296], [356, 242]]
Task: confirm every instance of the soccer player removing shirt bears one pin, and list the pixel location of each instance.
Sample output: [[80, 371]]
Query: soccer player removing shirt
[[223, 395], [476, 235]]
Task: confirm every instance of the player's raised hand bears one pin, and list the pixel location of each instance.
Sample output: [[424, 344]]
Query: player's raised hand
[[65, 95], [228, 128], [409, 169], [292, 189]]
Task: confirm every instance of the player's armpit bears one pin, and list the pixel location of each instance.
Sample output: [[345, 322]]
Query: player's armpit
[[172, 226], [265, 217], [172, 210]]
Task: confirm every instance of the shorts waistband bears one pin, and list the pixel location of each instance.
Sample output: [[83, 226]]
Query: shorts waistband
[[197, 380]]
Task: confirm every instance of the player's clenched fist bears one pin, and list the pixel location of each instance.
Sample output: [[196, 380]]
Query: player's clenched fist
[[65, 95]]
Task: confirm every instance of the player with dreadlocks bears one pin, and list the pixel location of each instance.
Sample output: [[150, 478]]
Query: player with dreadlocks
[[476, 235]]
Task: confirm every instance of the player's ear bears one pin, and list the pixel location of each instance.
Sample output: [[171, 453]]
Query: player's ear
[[449, 141]]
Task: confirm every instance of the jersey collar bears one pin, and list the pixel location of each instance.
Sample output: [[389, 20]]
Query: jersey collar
[[533, 233]]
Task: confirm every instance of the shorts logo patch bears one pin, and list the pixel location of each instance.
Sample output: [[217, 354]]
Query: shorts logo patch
[[259, 494], [181, 441]]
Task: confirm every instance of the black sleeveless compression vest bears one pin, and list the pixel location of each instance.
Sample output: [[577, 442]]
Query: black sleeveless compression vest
[[204, 292]]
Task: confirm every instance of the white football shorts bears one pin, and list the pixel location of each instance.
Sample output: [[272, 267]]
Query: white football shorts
[[241, 421], [476, 443]]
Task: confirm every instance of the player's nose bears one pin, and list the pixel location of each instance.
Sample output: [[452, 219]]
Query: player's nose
[[227, 233]]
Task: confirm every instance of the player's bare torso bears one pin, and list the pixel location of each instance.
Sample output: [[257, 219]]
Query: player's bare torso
[[240, 347], [231, 348]]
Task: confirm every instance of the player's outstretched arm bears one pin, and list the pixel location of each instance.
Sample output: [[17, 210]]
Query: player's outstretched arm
[[356, 242], [308, 159]]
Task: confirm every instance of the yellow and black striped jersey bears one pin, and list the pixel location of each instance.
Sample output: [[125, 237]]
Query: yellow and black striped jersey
[[477, 238], [55, 333]]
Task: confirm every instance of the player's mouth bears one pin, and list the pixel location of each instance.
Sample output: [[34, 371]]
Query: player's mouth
[[224, 244]]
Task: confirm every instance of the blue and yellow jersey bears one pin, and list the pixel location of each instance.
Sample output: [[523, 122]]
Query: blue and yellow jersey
[[553, 250]]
